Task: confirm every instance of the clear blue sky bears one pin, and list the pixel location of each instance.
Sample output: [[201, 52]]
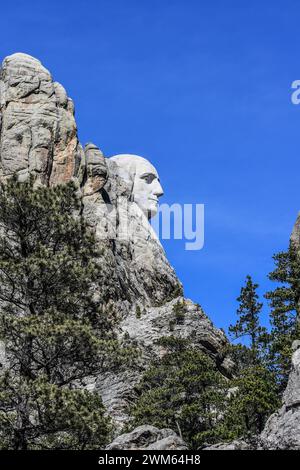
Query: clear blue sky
[[203, 89]]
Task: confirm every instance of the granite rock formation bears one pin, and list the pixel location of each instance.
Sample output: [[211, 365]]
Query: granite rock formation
[[238, 444], [148, 438], [38, 136], [38, 129], [154, 323]]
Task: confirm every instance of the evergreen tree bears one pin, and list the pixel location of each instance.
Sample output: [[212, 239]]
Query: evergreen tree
[[285, 312], [183, 391], [54, 334], [248, 323], [252, 399], [179, 310], [253, 396]]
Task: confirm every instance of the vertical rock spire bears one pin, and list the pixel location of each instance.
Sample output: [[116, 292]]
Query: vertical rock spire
[[38, 132]]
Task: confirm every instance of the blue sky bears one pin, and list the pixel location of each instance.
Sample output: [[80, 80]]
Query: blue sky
[[201, 88]]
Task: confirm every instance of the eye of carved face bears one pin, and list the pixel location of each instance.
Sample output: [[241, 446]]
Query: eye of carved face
[[148, 178]]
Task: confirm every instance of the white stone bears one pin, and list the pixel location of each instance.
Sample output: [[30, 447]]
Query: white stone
[[143, 176]]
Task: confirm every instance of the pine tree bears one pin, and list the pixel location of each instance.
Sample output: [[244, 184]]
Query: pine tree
[[54, 334], [285, 312], [254, 395], [248, 323], [179, 310], [184, 391], [253, 398]]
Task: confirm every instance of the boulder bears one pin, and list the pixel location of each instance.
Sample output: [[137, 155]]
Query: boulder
[[148, 437], [238, 444]]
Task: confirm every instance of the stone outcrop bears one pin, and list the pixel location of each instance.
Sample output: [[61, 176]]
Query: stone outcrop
[[38, 129], [295, 235], [148, 438], [238, 444], [38, 137]]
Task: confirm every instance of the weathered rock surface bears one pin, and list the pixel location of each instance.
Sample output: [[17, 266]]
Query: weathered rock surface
[[282, 430], [144, 331], [38, 136], [148, 437], [156, 322], [295, 235], [234, 445], [38, 129]]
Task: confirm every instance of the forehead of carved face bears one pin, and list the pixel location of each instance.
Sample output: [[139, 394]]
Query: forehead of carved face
[[146, 189]]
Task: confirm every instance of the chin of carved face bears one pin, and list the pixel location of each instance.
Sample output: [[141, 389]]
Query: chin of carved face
[[148, 205], [147, 188]]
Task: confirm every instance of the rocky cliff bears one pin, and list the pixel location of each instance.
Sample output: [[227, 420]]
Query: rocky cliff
[[38, 136]]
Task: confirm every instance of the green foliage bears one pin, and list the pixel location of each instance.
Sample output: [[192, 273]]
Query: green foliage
[[177, 292], [248, 323], [285, 304], [253, 398], [138, 312], [55, 335], [54, 417], [183, 391], [179, 312]]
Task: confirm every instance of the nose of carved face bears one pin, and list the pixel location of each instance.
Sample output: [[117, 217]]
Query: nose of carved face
[[151, 203], [147, 191], [158, 190]]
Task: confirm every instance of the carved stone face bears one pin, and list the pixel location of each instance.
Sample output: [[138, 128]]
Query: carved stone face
[[146, 187]]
